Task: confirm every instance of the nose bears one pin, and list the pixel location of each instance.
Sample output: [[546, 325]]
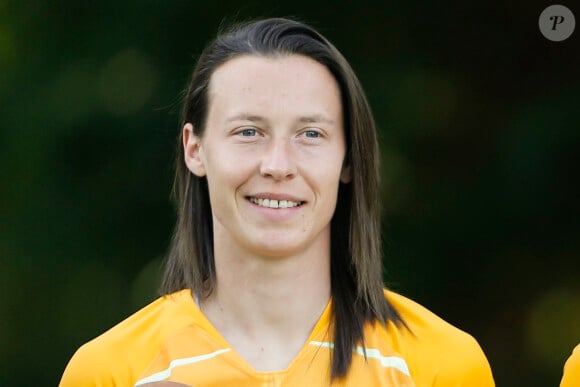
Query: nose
[[277, 161]]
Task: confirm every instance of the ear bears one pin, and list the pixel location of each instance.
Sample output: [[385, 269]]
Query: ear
[[193, 152], [346, 174]]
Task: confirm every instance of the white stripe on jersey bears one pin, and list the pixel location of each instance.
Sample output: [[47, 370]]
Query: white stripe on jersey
[[373, 353], [162, 375]]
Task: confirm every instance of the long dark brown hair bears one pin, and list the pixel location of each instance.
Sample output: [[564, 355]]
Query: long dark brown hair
[[356, 252]]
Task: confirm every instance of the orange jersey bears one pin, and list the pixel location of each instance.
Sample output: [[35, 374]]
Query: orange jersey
[[571, 376], [172, 340]]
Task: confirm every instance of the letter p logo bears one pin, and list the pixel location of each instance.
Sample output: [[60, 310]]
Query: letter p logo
[[556, 23], [557, 20]]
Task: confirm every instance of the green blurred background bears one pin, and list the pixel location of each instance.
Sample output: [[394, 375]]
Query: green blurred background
[[480, 132]]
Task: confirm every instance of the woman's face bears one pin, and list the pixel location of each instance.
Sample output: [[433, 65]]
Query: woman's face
[[272, 151]]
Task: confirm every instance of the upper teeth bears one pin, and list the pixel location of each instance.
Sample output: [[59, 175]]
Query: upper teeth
[[273, 203]]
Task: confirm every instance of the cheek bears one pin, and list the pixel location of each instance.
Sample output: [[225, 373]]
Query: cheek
[[328, 175], [226, 172], [326, 183]]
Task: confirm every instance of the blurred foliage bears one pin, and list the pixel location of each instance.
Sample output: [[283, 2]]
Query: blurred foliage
[[479, 126]]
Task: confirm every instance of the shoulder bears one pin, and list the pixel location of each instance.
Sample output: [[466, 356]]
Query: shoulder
[[572, 369], [437, 352], [118, 356]]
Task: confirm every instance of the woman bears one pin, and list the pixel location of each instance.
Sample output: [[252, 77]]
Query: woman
[[274, 274]]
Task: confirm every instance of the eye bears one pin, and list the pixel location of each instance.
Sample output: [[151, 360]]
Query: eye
[[248, 132], [312, 134]]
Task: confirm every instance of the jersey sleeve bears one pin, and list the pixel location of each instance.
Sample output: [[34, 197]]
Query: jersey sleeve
[[438, 353], [114, 358], [118, 356], [571, 377], [464, 364], [83, 370]]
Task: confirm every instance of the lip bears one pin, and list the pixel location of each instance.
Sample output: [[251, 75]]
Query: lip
[[276, 215], [275, 196]]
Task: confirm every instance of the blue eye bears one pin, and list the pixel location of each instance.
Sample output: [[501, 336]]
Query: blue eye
[[312, 134], [248, 132]]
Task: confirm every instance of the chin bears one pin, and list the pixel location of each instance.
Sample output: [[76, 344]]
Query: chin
[[278, 248]]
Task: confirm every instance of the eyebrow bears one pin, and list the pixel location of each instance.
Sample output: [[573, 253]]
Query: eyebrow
[[315, 118], [246, 117]]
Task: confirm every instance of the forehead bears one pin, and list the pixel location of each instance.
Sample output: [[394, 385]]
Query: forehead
[[247, 65], [296, 81]]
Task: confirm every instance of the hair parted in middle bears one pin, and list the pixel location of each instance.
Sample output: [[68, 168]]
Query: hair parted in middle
[[357, 286]]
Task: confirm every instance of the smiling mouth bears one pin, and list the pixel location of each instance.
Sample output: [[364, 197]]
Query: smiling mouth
[[273, 203]]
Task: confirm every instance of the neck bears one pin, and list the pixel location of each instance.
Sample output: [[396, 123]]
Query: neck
[[271, 292], [272, 301]]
